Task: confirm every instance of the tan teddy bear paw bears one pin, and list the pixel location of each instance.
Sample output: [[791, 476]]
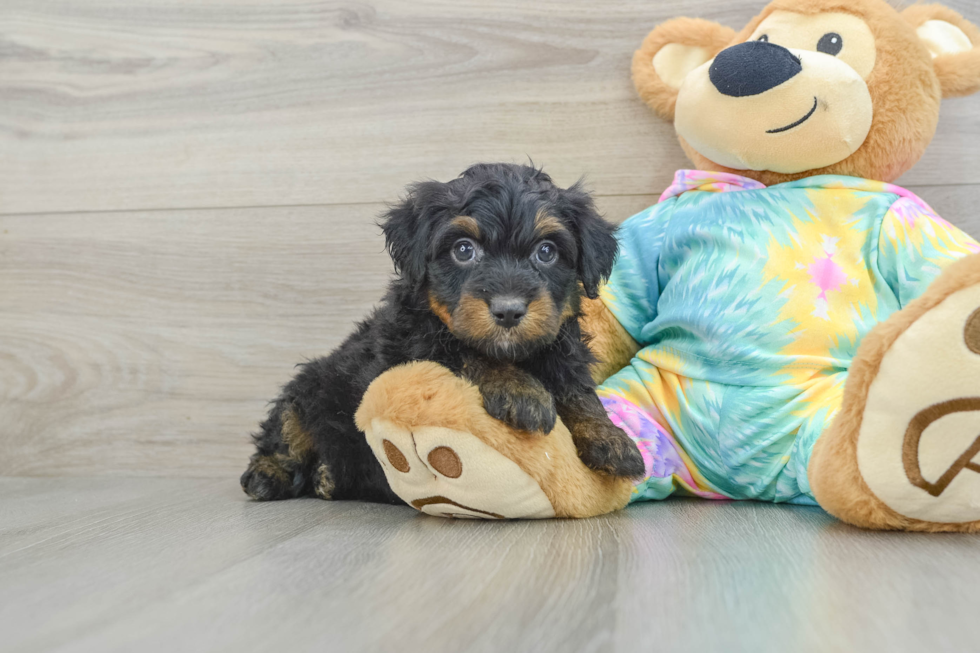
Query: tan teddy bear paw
[[905, 450]]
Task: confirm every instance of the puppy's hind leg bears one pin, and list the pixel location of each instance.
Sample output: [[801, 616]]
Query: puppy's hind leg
[[282, 468]]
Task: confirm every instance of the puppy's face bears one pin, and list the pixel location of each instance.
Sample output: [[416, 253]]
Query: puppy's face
[[501, 255]]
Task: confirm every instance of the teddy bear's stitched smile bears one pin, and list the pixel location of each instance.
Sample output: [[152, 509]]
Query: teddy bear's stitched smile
[[798, 122]]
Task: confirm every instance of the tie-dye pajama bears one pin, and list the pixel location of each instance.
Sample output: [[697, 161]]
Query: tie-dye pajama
[[749, 304]]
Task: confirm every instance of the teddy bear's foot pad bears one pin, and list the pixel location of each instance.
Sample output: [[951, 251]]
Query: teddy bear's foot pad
[[449, 473], [918, 447]]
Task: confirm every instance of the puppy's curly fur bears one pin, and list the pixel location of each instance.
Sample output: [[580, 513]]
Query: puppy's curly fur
[[491, 267]]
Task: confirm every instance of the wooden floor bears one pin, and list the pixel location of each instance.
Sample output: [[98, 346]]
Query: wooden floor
[[188, 196], [189, 565]]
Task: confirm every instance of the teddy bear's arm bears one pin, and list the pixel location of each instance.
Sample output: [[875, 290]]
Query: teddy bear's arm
[[610, 343], [915, 245], [628, 300]]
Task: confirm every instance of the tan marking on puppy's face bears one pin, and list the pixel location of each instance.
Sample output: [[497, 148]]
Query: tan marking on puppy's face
[[441, 311], [541, 320], [472, 319], [546, 225], [467, 224], [473, 323], [817, 118]]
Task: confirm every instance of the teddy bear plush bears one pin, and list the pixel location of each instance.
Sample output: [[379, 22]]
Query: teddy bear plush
[[784, 324]]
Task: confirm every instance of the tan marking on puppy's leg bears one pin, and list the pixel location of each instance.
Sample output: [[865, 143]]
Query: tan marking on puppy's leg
[[612, 346], [270, 466], [298, 439], [440, 310], [324, 484], [467, 224]]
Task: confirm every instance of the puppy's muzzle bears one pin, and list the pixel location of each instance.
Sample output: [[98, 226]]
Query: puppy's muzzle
[[508, 311]]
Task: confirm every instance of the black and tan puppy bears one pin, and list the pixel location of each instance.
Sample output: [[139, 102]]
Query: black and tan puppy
[[491, 269]]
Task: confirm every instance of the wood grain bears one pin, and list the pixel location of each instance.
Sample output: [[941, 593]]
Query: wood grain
[[151, 343], [181, 104], [192, 565]]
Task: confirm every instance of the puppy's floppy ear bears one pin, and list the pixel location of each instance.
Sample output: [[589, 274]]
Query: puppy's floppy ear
[[954, 43], [407, 228], [597, 246], [669, 53]]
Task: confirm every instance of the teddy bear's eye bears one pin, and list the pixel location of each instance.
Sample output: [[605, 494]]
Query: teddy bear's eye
[[830, 43], [764, 37]]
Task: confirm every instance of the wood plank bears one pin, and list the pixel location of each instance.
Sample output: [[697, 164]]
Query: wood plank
[[123, 546], [201, 568], [151, 343], [177, 103]]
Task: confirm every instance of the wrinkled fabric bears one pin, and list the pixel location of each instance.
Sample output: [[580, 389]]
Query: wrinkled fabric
[[749, 304]]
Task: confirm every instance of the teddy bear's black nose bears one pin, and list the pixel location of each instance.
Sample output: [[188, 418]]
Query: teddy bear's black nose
[[752, 67]]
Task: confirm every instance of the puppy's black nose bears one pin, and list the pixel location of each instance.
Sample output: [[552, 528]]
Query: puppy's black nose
[[508, 311], [753, 67]]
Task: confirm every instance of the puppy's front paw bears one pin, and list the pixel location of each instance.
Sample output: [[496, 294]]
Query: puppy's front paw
[[609, 450], [526, 408]]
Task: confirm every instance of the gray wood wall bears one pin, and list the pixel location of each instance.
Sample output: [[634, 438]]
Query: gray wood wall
[[188, 189]]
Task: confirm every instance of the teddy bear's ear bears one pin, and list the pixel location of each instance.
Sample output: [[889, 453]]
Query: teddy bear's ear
[[955, 46], [669, 53]]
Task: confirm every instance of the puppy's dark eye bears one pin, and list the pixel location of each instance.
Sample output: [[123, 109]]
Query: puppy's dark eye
[[764, 37], [830, 43], [546, 253], [465, 251]]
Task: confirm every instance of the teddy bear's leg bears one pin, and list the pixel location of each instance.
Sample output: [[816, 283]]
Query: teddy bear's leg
[[443, 454], [902, 452]]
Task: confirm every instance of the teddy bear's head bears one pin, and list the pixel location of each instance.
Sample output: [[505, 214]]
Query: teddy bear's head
[[808, 87]]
